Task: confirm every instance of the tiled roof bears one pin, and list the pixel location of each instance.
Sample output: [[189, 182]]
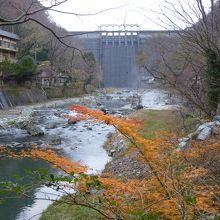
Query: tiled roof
[[9, 35]]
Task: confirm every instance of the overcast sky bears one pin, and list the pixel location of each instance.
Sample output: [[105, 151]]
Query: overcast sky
[[126, 12]]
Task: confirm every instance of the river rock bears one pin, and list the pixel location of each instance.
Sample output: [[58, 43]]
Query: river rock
[[193, 135], [117, 147], [120, 145], [104, 110], [184, 139], [99, 104], [31, 144], [124, 99], [119, 93], [112, 153], [109, 135], [205, 125], [182, 144], [54, 140], [71, 121], [108, 97], [205, 133], [57, 114], [15, 146], [22, 124], [34, 130], [51, 125], [126, 91], [217, 118]]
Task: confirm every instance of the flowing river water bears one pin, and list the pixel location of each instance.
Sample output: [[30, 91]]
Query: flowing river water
[[82, 142]]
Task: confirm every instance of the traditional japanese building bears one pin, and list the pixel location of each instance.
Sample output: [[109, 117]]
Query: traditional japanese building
[[8, 46]]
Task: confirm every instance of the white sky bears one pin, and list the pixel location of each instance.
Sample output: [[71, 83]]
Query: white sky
[[128, 12]]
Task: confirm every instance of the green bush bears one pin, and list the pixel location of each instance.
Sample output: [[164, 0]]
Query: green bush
[[7, 67], [25, 65]]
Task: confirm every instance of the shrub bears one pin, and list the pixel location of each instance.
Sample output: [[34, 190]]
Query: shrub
[[7, 67], [25, 65]]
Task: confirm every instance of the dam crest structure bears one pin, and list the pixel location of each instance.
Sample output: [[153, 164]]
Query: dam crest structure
[[115, 48]]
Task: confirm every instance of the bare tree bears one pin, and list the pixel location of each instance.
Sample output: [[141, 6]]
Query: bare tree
[[31, 20], [189, 60], [14, 12]]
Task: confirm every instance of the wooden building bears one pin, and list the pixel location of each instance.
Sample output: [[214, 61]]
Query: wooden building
[[8, 46], [47, 77]]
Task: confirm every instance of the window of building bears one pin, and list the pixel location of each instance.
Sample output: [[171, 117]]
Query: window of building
[[5, 44], [13, 46]]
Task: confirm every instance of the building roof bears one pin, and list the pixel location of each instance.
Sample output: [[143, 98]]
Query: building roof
[[9, 35]]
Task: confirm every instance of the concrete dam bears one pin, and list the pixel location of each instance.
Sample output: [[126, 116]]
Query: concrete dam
[[115, 48]]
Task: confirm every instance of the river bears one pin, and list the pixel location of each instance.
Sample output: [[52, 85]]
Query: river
[[82, 141]]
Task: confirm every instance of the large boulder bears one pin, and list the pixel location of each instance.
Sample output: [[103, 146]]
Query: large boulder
[[22, 124], [31, 128], [217, 118], [205, 125], [205, 133], [15, 146], [51, 125], [34, 130], [54, 140], [117, 147], [182, 144]]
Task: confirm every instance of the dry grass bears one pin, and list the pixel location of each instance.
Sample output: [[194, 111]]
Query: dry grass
[[164, 120]]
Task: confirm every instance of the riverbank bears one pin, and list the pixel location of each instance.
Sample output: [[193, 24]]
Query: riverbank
[[127, 165], [150, 99], [23, 112], [80, 141]]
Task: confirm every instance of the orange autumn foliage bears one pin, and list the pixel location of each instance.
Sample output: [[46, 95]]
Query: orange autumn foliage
[[181, 184], [173, 190], [58, 161], [50, 156], [127, 127]]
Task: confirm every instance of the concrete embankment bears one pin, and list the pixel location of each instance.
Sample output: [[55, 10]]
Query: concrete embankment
[[14, 96]]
